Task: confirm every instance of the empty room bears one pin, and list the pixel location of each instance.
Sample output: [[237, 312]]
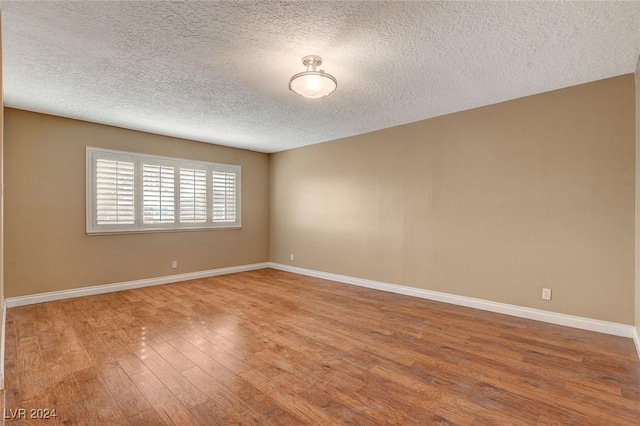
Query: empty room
[[320, 212]]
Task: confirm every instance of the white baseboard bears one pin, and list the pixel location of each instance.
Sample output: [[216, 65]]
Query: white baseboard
[[606, 327], [128, 285], [636, 340]]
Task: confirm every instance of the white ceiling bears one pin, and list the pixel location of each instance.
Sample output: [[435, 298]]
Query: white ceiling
[[218, 71]]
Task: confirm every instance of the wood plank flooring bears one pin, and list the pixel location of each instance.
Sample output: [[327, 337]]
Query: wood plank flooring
[[270, 347]]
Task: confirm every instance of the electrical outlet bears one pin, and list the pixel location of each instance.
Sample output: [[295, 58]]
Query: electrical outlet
[[292, 257], [546, 293], [174, 264]]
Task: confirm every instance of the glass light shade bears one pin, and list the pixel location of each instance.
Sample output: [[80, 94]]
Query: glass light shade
[[313, 84]]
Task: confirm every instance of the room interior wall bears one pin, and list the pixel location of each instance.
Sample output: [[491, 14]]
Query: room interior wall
[[637, 276], [494, 203], [47, 248], [2, 307]]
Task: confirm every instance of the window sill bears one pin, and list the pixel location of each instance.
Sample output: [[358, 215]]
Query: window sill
[[153, 231]]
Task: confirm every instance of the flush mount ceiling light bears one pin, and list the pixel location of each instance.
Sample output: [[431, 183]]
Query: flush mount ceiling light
[[312, 83]]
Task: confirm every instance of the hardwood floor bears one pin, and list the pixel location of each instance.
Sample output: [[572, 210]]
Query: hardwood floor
[[270, 347]]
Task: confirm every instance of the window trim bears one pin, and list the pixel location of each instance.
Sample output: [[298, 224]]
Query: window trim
[[92, 228]]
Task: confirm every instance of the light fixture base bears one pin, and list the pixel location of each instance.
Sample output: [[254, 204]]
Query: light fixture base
[[312, 61]]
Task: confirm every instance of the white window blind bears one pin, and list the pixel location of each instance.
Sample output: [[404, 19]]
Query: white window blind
[[115, 192], [193, 195], [137, 192], [158, 194], [224, 196]]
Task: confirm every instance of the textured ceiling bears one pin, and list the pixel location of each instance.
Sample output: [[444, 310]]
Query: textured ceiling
[[218, 71]]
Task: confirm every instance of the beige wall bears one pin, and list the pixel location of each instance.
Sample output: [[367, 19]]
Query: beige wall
[[494, 203], [46, 245], [1, 217], [637, 81]]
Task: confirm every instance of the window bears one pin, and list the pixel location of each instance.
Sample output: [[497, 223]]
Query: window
[[193, 196], [224, 196], [158, 193], [137, 192], [115, 202]]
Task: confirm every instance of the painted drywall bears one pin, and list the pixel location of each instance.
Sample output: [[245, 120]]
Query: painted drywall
[[494, 203], [47, 248], [2, 320], [637, 277]]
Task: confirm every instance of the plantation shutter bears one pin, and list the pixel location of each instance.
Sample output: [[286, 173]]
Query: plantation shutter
[[193, 195], [158, 194], [225, 196], [114, 192], [129, 192]]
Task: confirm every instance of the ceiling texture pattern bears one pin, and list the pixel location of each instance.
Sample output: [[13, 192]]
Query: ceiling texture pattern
[[218, 72]]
